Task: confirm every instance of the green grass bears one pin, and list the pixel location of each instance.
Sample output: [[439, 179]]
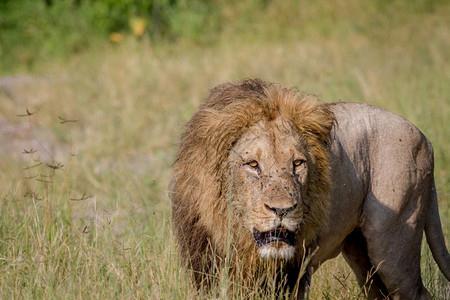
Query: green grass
[[131, 102]]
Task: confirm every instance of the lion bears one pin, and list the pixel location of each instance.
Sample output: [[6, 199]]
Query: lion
[[268, 178]]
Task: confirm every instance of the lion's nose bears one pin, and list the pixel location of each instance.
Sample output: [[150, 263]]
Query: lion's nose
[[281, 212]]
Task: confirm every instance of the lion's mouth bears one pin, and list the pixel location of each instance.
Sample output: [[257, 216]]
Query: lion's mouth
[[279, 234]]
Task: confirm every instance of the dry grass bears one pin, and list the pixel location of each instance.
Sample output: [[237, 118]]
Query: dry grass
[[93, 219]]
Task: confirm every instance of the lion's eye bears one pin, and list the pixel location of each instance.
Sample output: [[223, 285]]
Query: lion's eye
[[298, 162], [254, 164]]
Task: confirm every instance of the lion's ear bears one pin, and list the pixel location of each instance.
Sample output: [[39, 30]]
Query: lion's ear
[[316, 123], [327, 122]]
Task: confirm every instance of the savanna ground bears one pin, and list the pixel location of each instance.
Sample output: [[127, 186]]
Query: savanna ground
[[87, 142]]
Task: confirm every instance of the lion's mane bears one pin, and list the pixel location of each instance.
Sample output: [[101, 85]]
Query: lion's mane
[[200, 184]]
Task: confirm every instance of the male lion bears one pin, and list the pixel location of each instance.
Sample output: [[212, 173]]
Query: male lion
[[266, 176]]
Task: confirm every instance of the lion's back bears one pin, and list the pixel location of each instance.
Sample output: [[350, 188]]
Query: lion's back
[[384, 138]]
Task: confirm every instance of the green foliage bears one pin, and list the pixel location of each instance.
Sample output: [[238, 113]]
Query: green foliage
[[35, 30], [32, 30]]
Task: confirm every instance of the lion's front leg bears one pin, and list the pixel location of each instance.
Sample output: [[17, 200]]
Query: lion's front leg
[[303, 285]]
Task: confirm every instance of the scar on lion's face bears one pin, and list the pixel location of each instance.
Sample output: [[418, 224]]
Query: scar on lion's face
[[271, 170]]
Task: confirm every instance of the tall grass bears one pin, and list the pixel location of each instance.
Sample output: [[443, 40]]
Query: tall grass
[[88, 215]]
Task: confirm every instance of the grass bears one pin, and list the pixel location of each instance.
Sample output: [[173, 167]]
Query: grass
[[93, 219]]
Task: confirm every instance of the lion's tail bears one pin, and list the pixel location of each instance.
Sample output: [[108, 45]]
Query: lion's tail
[[435, 237]]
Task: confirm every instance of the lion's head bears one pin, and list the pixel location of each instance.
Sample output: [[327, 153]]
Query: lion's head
[[252, 174]]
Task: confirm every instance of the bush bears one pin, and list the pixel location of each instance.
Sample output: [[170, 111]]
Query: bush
[[32, 30]]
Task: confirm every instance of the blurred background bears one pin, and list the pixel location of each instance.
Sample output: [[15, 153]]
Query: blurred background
[[94, 96]]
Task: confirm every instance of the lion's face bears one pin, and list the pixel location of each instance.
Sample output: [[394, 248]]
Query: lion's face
[[269, 167]]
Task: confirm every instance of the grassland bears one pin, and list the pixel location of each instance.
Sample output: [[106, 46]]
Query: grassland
[[87, 216]]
